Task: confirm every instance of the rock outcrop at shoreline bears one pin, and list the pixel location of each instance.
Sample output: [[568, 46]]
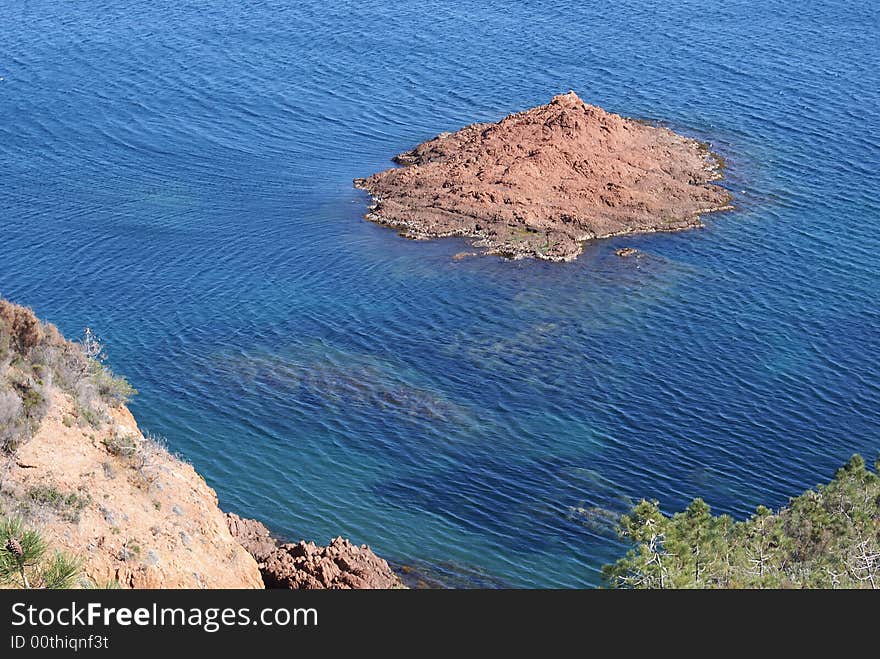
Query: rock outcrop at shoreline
[[307, 566], [541, 182], [253, 536]]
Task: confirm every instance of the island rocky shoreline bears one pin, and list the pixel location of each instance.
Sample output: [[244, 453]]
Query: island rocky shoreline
[[541, 183]]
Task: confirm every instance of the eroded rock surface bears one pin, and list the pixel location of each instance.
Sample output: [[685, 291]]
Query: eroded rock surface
[[139, 518], [339, 565], [541, 182], [256, 539]]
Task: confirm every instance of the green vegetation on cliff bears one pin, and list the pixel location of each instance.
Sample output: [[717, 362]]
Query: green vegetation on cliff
[[825, 538], [25, 561], [34, 357]]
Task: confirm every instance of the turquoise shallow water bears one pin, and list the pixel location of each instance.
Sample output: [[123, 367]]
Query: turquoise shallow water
[[178, 176]]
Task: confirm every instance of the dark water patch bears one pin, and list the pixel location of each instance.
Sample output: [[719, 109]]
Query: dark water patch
[[445, 574], [567, 495]]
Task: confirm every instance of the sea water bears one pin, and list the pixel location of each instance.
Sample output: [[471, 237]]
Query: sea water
[[177, 176]]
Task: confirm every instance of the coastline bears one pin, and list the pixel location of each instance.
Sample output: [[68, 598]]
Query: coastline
[[76, 468], [486, 246]]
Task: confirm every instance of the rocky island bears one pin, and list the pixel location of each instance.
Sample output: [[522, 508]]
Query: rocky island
[[540, 183]]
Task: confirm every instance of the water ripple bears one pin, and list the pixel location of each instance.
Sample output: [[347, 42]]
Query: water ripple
[[179, 179]]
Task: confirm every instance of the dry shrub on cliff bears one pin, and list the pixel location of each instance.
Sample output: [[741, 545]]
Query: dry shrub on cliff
[[22, 327], [10, 407], [122, 445], [34, 358], [67, 505], [143, 453], [112, 389]]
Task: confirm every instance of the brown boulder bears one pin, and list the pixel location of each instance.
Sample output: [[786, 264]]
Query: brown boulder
[[256, 539], [339, 565]]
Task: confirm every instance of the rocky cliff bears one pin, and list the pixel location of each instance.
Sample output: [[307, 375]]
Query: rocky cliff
[[75, 467], [129, 510]]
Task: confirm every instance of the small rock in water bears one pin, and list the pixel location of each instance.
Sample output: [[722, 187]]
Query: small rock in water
[[627, 251], [461, 256]]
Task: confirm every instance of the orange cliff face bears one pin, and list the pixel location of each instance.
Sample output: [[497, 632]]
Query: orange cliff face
[[139, 517], [75, 467], [541, 182]]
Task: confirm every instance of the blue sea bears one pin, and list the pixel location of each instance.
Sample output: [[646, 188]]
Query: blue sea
[[178, 176]]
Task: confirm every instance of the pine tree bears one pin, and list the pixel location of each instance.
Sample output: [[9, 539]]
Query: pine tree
[[24, 563], [828, 537]]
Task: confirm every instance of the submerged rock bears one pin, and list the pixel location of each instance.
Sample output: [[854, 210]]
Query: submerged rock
[[540, 182]]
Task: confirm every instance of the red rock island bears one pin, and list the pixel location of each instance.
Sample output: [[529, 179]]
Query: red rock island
[[541, 182]]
